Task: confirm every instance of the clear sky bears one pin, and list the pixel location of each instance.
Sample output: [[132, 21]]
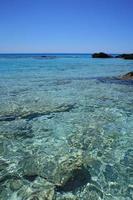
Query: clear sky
[[66, 26]]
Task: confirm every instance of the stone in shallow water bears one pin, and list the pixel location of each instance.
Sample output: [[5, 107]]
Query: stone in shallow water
[[28, 167], [3, 165], [7, 118], [7, 174], [30, 115], [30, 177], [128, 76], [79, 177], [17, 129], [39, 190], [115, 80], [15, 184], [55, 167]]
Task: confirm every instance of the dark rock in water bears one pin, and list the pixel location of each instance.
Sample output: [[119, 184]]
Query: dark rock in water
[[8, 118], [101, 55], [30, 177], [79, 178], [120, 56], [45, 57], [125, 56], [128, 76], [48, 57]]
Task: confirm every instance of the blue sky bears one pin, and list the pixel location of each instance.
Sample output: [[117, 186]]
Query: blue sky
[[66, 26]]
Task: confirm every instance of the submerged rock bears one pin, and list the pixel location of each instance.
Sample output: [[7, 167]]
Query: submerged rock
[[79, 177], [65, 172], [17, 129], [58, 109], [116, 80], [40, 190], [16, 184], [101, 55], [3, 164], [30, 115], [30, 177]]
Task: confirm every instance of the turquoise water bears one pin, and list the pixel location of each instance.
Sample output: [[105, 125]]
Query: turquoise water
[[66, 128]]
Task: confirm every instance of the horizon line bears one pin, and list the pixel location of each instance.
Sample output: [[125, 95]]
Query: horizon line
[[59, 52]]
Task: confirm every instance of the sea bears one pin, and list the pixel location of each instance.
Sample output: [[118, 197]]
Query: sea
[[66, 127]]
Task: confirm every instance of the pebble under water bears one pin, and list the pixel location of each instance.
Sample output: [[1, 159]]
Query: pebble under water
[[66, 128]]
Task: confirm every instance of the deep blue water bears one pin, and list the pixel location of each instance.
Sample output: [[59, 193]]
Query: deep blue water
[[66, 127]]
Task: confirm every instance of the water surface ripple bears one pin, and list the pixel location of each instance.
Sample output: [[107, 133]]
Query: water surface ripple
[[66, 128]]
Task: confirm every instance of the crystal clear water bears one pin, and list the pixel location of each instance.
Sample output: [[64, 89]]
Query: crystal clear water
[[66, 128]]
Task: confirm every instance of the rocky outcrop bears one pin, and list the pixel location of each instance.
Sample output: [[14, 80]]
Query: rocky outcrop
[[125, 56], [101, 55], [128, 76], [32, 115]]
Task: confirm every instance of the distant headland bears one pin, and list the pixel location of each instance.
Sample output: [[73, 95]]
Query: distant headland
[[105, 55]]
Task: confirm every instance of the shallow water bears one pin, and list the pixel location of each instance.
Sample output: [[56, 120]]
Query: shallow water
[[66, 128]]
